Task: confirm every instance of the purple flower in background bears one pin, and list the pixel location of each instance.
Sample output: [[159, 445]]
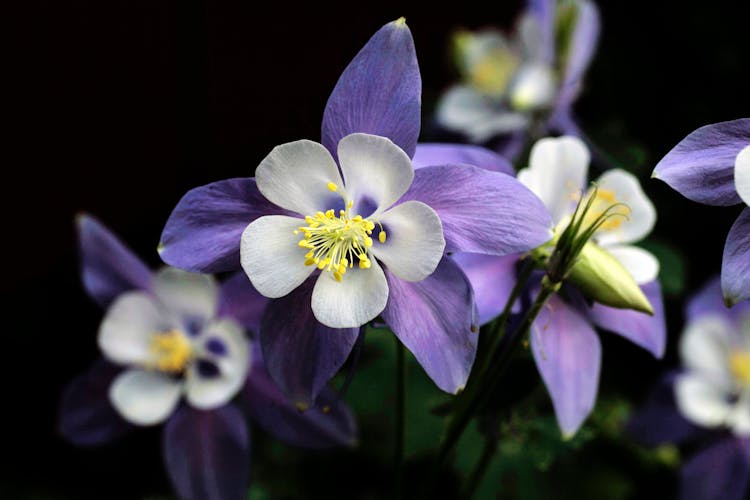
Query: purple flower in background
[[340, 232], [564, 343], [712, 166], [175, 351], [707, 404], [509, 83]]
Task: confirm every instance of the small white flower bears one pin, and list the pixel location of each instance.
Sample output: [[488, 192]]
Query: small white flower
[[172, 344], [714, 391]]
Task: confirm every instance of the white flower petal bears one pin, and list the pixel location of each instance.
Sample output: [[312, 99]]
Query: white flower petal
[[466, 110], [641, 213], [271, 256], [376, 172], [187, 295], [358, 298], [640, 263], [700, 401], [742, 174], [129, 325], [414, 241], [144, 397], [705, 347], [557, 172], [295, 176], [739, 420], [533, 87], [210, 392]]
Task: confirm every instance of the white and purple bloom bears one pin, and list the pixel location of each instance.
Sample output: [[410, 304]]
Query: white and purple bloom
[[340, 232], [175, 352], [508, 84], [712, 166], [565, 346], [707, 404]]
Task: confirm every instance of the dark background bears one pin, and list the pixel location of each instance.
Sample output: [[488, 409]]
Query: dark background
[[117, 108]]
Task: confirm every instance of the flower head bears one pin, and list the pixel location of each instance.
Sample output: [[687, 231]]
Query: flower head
[[711, 165]]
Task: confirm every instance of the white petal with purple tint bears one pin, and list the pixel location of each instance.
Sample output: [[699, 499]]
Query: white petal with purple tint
[[145, 397], [188, 295], [641, 214], [742, 174], [701, 401], [640, 263]]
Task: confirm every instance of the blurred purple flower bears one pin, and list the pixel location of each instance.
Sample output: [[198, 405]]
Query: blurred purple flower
[[315, 210], [171, 334], [564, 343], [707, 404], [508, 84], [712, 166]]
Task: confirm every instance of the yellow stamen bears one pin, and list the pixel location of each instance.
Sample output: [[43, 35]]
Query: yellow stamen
[[332, 187], [381, 236], [171, 350], [739, 364]]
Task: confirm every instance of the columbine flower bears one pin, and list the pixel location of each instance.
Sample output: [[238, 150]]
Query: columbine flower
[[340, 232], [565, 346], [712, 166], [172, 334], [708, 403], [507, 84]]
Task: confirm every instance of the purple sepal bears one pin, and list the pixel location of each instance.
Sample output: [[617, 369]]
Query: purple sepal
[[580, 52], [203, 232], [720, 471], [86, 416], [709, 300], [108, 267], [379, 92], [701, 166], [207, 453], [432, 154], [436, 320], [239, 300], [511, 145], [735, 265], [482, 211], [492, 278], [649, 332], [568, 354], [328, 423], [659, 421], [543, 12], [302, 354]]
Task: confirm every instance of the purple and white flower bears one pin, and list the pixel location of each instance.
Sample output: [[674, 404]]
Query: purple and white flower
[[564, 343], [712, 166], [509, 83], [340, 232], [175, 352], [708, 402]]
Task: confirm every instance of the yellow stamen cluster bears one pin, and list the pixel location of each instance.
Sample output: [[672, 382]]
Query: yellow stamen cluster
[[605, 200], [739, 364], [334, 242], [171, 350]]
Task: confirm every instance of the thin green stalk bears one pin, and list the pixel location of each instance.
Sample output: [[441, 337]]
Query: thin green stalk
[[488, 451], [398, 460]]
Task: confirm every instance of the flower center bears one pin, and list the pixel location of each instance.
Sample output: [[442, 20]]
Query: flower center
[[739, 364], [171, 350], [605, 200], [334, 242]]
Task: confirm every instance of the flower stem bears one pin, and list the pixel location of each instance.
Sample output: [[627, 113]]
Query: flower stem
[[488, 451], [398, 459]]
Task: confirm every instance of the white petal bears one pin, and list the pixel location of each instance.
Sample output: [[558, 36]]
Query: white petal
[[642, 214], [271, 257], [211, 392], [487, 61], [414, 241], [557, 172], [295, 176], [739, 420], [187, 295], [742, 174], [640, 263], [700, 401], [533, 87], [358, 298], [465, 110], [705, 347], [144, 397], [375, 170], [129, 325]]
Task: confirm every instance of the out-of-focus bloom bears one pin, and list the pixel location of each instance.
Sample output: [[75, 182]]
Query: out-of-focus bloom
[[712, 166], [174, 334], [508, 85], [565, 346], [340, 232], [708, 402]]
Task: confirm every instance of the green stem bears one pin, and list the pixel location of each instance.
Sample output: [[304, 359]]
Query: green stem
[[488, 451], [400, 418]]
